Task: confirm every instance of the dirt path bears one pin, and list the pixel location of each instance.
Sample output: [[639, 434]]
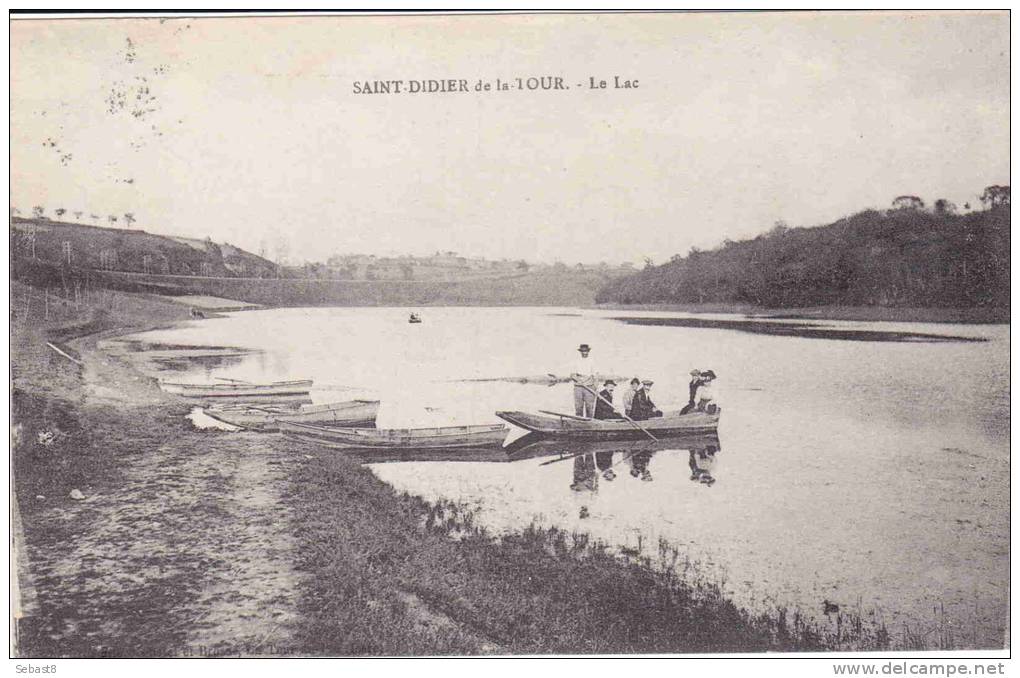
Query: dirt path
[[187, 551]]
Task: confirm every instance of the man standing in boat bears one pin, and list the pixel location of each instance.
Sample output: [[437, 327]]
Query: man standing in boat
[[584, 375]]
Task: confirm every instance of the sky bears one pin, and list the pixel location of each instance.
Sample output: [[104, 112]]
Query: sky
[[250, 130]]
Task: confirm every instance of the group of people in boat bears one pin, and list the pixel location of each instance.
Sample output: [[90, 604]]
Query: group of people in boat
[[637, 402]]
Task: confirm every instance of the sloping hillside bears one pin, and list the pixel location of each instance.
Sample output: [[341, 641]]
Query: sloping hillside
[[129, 250], [902, 257]]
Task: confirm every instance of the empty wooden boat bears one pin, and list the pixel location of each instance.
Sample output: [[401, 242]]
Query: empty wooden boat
[[258, 417], [582, 428], [237, 389], [442, 437]]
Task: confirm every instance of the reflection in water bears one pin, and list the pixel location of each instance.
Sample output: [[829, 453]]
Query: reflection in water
[[594, 463], [702, 462], [208, 364]]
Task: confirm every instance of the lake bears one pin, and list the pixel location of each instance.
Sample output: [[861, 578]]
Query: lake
[[874, 473]]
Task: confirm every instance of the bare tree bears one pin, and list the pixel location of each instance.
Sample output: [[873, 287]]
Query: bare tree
[[129, 218], [282, 251]]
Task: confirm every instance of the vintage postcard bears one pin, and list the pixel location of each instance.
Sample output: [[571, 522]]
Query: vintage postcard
[[510, 334]]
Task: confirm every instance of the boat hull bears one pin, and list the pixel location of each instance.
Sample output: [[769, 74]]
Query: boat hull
[[280, 388], [576, 428], [351, 413], [446, 437]]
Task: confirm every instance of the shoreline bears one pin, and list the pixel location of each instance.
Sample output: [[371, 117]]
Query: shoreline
[[952, 316], [975, 316], [203, 543]]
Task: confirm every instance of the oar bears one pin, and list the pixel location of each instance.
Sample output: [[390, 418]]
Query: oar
[[565, 416], [236, 381], [554, 461], [632, 422]]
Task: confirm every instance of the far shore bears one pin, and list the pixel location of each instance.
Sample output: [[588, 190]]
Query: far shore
[[963, 316], [970, 316]]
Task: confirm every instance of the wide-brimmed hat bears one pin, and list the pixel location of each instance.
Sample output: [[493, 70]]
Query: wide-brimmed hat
[[609, 382], [695, 373], [708, 374], [584, 348], [647, 382], [635, 380]]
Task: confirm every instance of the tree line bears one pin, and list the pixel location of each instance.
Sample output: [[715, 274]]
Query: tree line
[[904, 256]]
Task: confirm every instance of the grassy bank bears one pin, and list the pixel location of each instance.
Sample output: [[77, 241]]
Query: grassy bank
[[192, 542], [858, 313], [377, 559]]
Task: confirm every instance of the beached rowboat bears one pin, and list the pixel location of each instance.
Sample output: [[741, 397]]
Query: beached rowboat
[[238, 389], [582, 428], [443, 437], [258, 417]]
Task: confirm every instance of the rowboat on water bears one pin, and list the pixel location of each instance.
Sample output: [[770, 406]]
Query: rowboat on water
[[258, 417], [443, 437], [236, 389], [582, 428]]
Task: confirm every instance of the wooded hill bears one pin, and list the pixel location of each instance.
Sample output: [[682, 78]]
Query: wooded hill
[[904, 257], [82, 246]]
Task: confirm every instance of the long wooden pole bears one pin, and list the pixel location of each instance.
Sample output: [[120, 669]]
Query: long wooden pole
[[632, 422]]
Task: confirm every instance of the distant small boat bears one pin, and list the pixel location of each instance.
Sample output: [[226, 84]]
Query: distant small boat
[[568, 426], [414, 319], [238, 388], [257, 417], [443, 437]]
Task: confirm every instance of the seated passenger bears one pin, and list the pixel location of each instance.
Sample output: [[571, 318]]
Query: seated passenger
[[604, 403], [628, 396], [643, 407], [692, 387], [707, 395]]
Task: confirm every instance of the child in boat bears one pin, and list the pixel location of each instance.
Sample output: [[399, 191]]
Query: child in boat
[[628, 396]]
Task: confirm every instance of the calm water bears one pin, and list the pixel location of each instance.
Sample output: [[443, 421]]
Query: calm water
[[848, 470]]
